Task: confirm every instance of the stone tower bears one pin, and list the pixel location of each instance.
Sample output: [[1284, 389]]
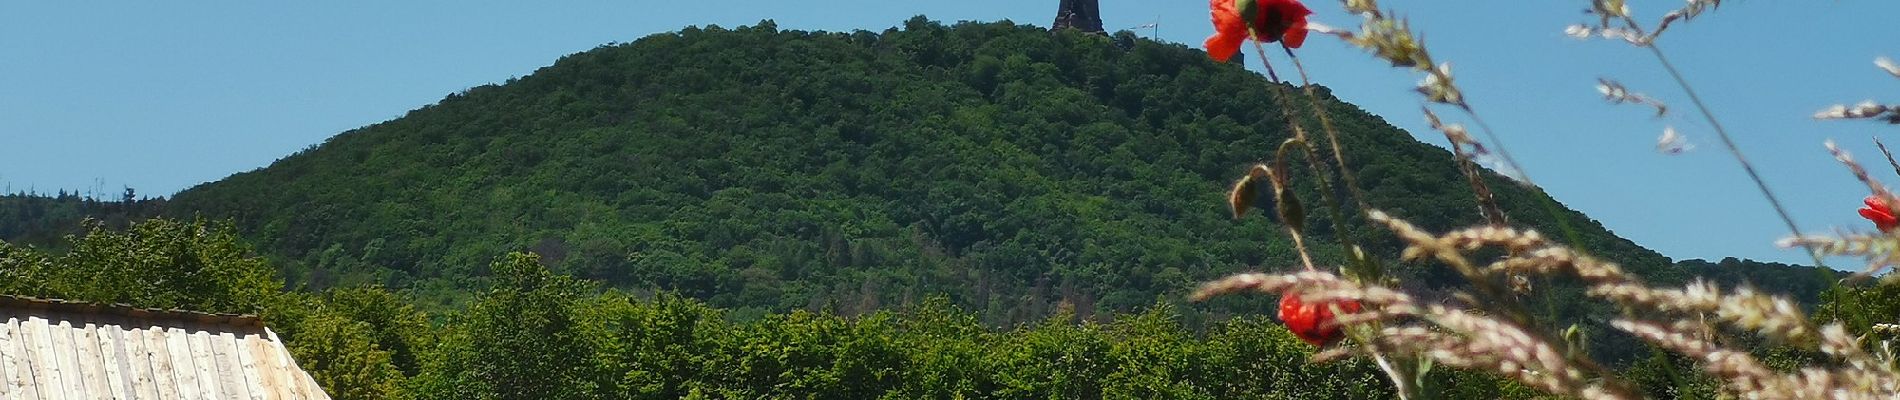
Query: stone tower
[[1084, 15]]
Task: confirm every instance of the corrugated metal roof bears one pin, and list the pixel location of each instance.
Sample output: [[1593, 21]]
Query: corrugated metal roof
[[59, 350]]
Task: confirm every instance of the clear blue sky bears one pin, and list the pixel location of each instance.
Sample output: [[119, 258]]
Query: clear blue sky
[[161, 96]]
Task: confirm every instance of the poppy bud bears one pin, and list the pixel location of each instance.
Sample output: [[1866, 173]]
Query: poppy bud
[[1241, 198], [1292, 213]]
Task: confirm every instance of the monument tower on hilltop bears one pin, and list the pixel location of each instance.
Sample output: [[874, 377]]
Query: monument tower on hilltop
[[1083, 15]]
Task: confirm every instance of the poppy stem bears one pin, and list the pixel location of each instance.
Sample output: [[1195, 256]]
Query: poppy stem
[[1263, 61], [1319, 168], [1299, 245], [1401, 379], [1332, 134], [1548, 202], [1889, 154], [1402, 375]]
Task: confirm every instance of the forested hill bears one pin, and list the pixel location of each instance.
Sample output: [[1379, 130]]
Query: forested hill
[[1008, 166]]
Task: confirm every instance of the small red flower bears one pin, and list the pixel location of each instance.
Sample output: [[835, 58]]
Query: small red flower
[[1313, 323], [1270, 21], [1878, 211]]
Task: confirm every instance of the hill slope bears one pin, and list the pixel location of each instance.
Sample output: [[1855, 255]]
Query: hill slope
[[1015, 170], [782, 169]]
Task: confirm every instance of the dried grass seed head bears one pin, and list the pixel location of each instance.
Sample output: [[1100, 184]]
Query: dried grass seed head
[[1437, 87], [1741, 371], [1673, 143], [1368, 8], [1865, 110], [1610, 8], [1881, 251], [1267, 283], [1393, 41], [1887, 64], [1507, 349], [1860, 173], [1616, 93], [1456, 133], [1684, 14], [1585, 32], [1473, 340]]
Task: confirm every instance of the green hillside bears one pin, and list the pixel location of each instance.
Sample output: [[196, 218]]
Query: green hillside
[[756, 167]]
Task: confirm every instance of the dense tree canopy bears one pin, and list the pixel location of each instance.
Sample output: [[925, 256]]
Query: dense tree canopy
[[163, 263], [540, 334], [537, 334]]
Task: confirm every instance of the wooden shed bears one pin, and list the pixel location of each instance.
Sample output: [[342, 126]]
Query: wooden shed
[[60, 350]]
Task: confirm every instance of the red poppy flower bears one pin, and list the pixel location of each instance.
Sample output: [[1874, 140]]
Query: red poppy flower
[[1266, 20], [1313, 323], [1877, 211]]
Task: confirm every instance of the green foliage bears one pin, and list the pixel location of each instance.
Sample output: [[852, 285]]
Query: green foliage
[[21, 270], [1667, 375], [536, 333], [33, 219], [519, 341], [359, 343], [161, 263], [342, 356], [396, 326], [1859, 307], [810, 356], [1257, 355], [655, 348], [617, 346], [1804, 283]]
